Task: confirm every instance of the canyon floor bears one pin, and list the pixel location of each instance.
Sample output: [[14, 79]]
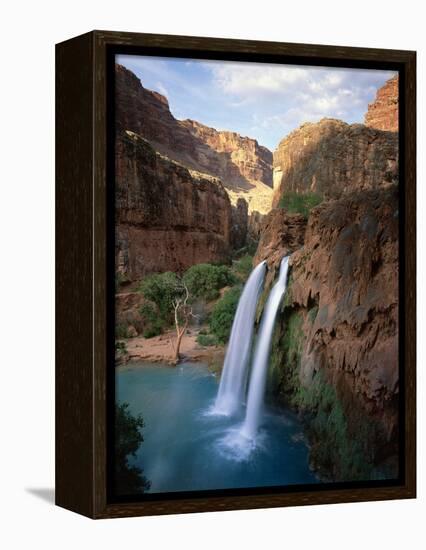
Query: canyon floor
[[159, 349]]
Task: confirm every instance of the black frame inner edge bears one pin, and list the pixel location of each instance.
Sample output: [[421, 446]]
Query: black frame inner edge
[[111, 52]]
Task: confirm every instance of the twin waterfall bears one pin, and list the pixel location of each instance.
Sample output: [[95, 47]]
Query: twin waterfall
[[233, 384], [261, 355]]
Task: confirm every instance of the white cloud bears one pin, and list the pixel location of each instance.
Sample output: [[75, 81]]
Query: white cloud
[[162, 89], [265, 101], [283, 97]]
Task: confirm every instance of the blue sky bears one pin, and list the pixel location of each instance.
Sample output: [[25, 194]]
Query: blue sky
[[262, 101]]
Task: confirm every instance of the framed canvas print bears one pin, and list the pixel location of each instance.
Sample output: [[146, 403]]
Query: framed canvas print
[[235, 274]]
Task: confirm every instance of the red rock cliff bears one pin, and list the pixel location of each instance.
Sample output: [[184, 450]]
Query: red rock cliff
[[383, 112], [167, 217], [331, 157], [335, 354], [244, 166], [243, 157]]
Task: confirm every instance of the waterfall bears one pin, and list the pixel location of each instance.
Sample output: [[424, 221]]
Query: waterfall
[[261, 356], [234, 376]]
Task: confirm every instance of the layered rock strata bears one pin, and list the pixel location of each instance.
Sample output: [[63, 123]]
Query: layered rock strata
[[335, 351], [383, 112], [244, 166], [167, 217], [331, 158]]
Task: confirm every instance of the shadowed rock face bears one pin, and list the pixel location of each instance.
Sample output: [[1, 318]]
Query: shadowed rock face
[[280, 234], [244, 166], [338, 335], [383, 112], [239, 222], [331, 158], [167, 217]]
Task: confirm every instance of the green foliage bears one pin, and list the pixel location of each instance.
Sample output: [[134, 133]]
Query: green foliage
[[128, 437], [153, 323], [121, 331], [120, 347], [293, 344], [205, 280], [223, 313], [243, 266], [300, 203], [249, 249], [161, 289], [206, 339], [335, 449]]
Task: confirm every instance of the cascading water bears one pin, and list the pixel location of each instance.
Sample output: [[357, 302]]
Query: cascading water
[[234, 376], [261, 356]]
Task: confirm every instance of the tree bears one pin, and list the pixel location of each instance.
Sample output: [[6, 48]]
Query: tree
[[205, 280], [161, 288], [171, 294], [183, 313], [129, 478]]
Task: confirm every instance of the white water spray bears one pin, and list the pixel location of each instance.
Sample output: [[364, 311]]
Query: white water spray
[[261, 356], [234, 376]]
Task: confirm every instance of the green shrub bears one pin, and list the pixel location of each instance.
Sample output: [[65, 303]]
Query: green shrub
[[161, 289], [206, 339], [205, 280], [120, 347], [121, 331], [128, 437], [335, 449], [223, 313], [300, 203], [243, 267], [152, 322]]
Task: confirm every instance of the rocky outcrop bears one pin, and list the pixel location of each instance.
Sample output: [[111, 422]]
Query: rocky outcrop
[[249, 161], [331, 158], [129, 321], [335, 352], [280, 234], [255, 224], [239, 223], [167, 217], [244, 166], [383, 112]]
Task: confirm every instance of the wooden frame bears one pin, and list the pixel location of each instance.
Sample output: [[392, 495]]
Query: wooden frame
[[82, 274]]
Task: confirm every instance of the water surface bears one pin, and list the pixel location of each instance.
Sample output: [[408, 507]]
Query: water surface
[[186, 448]]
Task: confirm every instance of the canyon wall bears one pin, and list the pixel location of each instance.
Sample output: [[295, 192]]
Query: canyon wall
[[244, 166], [167, 216], [335, 349], [383, 112], [331, 157], [243, 160]]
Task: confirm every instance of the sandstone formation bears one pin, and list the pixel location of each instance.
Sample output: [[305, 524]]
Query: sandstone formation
[[167, 217], [331, 157], [383, 112], [129, 321], [249, 161], [244, 166], [335, 351], [281, 234]]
